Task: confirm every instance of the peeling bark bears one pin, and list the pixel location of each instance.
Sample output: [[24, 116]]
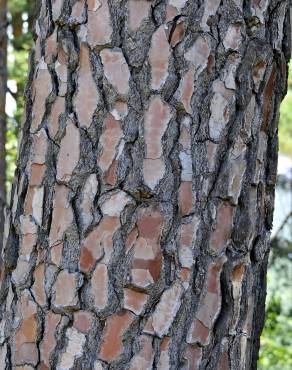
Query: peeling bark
[[142, 204]]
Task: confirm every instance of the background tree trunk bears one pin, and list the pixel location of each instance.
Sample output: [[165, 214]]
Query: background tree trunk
[[32, 13], [22, 20], [143, 199], [3, 87]]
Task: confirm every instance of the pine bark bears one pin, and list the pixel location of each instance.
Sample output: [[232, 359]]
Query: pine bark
[[3, 88], [142, 204]]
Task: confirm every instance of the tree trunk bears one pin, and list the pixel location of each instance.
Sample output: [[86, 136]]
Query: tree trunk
[[142, 204], [32, 8], [3, 88], [17, 28]]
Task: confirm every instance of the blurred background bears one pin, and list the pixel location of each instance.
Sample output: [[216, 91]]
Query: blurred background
[[276, 341]]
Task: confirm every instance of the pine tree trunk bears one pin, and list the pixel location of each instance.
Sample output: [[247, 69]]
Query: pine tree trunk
[[142, 204], [3, 88]]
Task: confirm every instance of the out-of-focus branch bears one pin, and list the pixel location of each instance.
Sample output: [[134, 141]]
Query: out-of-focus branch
[[14, 95], [282, 226]]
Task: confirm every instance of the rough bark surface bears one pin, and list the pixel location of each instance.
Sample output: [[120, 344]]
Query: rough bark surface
[[142, 205], [3, 87]]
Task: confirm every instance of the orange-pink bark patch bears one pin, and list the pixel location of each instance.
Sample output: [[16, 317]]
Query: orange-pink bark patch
[[222, 231], [82, 321], [69, 153], [98, 243], [38, 287], [109, 141], [134, 301], [62, 214], [153, 171], [185, 198], [87, 96], [198, 333], [138, 11], [99, 23], [116, 326], [159, 58], [156, 120], [42, 88], [193, 355], [178, 34], [99, 286], [147, 252], [53, 121], [187, 89], [66, 290], [49, 342], [144, 358], [26, 334], [37, 173], [116, 69]]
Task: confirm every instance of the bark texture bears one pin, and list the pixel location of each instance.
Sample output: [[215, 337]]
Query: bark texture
[[3, 88], [142, 205]]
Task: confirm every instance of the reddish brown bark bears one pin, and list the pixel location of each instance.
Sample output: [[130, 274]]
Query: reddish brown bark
[[142, 203]]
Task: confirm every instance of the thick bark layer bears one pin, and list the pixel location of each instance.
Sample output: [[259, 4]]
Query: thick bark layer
[[3, 88], [142, 204]]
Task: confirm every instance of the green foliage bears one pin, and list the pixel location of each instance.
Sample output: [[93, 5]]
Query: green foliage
[[285, 127], [276, 339], [21, 6], [276, 342], [17, 6], [17, 71], [11, 150]]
